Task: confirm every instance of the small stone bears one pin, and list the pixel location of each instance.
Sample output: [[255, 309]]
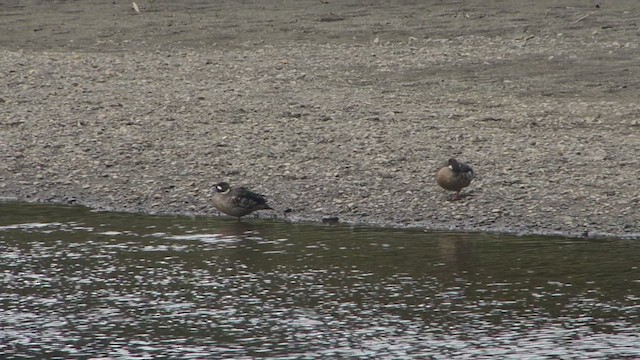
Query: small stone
[[389, 116], [330, 220]]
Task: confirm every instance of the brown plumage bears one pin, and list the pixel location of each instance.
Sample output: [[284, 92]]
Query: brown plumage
[[237, 201], [455, 176]]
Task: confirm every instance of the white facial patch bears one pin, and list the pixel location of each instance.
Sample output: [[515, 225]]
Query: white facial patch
[[220, 189]]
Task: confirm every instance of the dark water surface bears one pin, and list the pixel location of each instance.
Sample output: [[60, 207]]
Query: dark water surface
[[79, 284]]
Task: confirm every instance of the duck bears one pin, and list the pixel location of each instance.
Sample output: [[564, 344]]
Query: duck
[[455, 176], [237, 201]]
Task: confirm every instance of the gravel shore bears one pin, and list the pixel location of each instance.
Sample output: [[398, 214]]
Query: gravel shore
[[329, 108]]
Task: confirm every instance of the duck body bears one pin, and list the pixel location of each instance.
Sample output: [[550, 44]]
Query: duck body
[[455, 177], [237, 201]]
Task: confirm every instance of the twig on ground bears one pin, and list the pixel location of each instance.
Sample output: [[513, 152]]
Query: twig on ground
[[582, 18]]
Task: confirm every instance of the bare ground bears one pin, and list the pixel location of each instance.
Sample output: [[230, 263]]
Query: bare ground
[[342, 108]]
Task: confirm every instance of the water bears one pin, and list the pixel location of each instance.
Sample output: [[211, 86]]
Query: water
[[79, 284]]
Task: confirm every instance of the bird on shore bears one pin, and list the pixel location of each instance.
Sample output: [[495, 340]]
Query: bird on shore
[[455, 176], [237, 201]]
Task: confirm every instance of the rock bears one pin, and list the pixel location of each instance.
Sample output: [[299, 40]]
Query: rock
[[332, 220]]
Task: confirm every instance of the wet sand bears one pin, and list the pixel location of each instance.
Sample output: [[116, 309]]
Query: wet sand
[[328, 108]]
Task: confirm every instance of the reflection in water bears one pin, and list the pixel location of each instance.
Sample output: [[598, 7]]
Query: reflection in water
[[456, 251], [79, 284]]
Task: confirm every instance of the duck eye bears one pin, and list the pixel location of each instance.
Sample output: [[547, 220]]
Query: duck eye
[[218, 187]]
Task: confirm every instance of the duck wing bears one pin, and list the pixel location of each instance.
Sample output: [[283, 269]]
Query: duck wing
[[247, 199], [467, 171]]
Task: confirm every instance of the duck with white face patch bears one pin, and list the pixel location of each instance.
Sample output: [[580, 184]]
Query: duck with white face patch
[[237, 201], [455, 176]]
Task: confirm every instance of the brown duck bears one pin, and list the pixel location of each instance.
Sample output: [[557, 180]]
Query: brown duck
[[237, 201], [455, 176]]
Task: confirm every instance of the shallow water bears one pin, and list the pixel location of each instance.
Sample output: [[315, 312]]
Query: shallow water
[[75, 283]]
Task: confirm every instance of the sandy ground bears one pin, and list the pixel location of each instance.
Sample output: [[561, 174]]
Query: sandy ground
[[341, 108]]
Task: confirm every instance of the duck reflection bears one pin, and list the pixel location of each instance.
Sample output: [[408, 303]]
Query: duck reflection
[[236, 229], [255, 247], [457, 251]]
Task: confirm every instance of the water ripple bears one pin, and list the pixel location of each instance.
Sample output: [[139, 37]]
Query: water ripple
[[109, 286]]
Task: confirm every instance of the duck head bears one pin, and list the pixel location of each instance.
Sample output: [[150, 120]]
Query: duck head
[[454, 165], [222, 187]]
